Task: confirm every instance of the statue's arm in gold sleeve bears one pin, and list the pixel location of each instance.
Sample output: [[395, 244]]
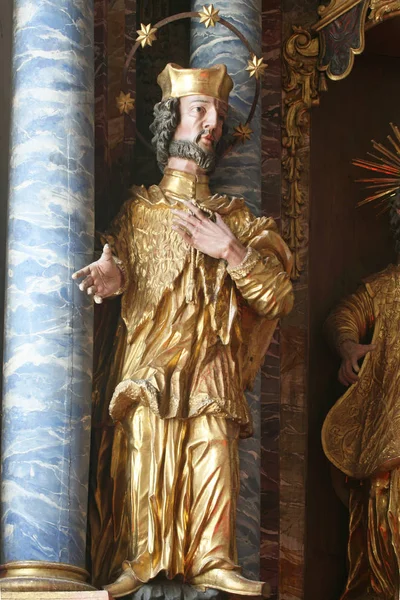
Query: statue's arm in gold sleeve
[[351, 320], [119, 238], [109, 275], [264, 283], [347, 327]]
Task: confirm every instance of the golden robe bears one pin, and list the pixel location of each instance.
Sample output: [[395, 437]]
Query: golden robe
[[361, 436], [191, 339]]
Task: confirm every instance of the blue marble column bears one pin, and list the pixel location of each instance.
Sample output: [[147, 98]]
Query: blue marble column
[[239, 174], [48, 321]]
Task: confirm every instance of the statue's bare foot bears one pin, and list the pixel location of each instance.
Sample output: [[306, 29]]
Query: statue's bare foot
[[232, 583], [126, 583]]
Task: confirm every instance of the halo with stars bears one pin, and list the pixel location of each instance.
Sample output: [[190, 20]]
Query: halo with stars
[[209, 16]]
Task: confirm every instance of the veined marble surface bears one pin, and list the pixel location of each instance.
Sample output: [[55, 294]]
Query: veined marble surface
[[48, 321], [271, 371], [239, 173]]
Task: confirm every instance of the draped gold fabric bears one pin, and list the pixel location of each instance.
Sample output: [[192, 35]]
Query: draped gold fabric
[[176, 373], [374, 544], [185, 466], [177, 379], [360, 435]]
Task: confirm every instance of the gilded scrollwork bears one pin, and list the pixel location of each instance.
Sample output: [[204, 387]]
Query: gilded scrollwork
[[330, 12], [380, 9], [301, 83], [306, 65], [341, 40]]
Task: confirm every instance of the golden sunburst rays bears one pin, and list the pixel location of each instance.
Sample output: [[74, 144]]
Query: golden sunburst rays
[[386, 165]]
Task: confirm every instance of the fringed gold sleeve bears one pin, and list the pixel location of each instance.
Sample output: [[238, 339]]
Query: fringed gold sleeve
[[264, 284]]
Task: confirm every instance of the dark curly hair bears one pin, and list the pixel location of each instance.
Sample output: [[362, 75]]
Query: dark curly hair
[[166, 120]]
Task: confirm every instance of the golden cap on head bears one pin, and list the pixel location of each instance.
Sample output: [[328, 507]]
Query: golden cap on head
[[176, 82]]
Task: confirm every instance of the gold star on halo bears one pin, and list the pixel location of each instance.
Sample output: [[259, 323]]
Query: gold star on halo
[[125, 103], [209, 16], [243, 132], [146, 35], [256, 66]]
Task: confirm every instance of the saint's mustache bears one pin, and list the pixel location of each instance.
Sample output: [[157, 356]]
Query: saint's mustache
[[200, 134]]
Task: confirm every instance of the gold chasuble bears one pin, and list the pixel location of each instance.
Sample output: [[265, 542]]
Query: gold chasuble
[[191, 339], [360, 435]]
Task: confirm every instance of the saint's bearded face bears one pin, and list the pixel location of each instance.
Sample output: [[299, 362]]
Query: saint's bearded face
[[199, 130]]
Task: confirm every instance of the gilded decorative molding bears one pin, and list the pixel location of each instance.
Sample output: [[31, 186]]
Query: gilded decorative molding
[[39, 576], [307, 59], [342, 24], [380, 9], [332, 11], [301, 86], [341, 40]]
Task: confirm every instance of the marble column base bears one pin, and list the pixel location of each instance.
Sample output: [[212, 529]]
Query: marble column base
[[37, 576]]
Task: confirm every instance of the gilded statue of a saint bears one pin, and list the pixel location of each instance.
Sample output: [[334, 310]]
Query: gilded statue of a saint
[[361, 432], [203, 282], [360, 435]]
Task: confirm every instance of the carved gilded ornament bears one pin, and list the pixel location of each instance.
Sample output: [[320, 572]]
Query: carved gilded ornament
[[147, 35], [242, 132], [336, 8], [347, 32], [303, 81], [209, 16], [380, 9], [332, 11], [301, 89], [256, 66], [125, 103]]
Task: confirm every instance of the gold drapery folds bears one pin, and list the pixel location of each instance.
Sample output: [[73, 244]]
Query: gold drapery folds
[[360, 433], [180, 361], [173, 372]]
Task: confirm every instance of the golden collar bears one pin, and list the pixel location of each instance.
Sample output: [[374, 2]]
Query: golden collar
[[187, 185]]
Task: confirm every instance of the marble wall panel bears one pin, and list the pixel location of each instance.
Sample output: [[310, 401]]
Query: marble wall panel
[[271, 118], [293, 445], [270, 374], [102, 153], [130, 123], [115, 34], [294, 375], [116, 61]]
